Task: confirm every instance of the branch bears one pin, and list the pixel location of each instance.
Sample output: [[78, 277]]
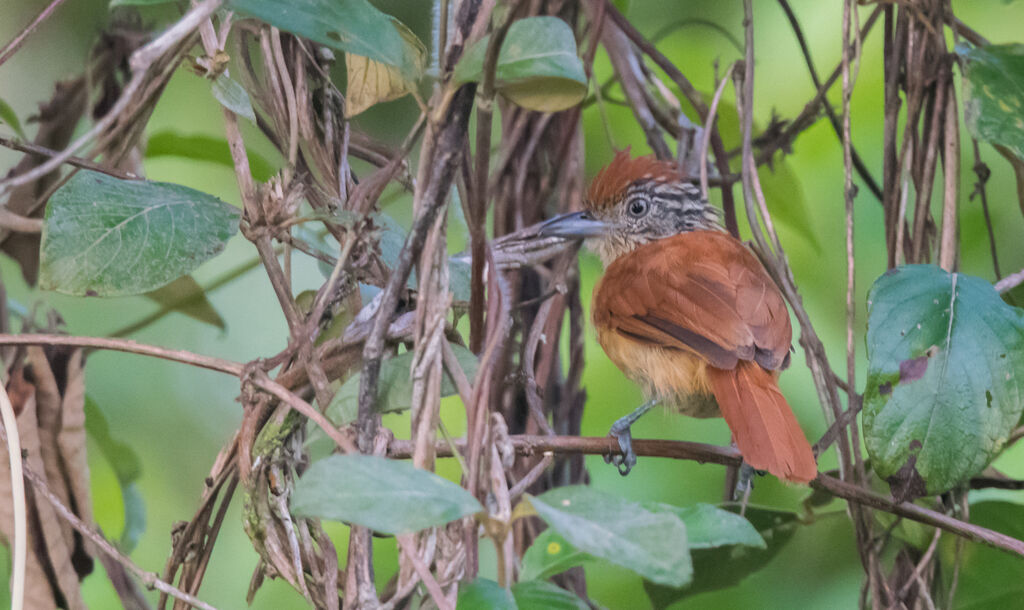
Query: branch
[[235, 369], [150, 579], [527, 445], [12, 47], [1010, 282]]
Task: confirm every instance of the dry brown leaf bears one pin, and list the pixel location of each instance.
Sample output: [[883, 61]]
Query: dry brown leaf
[[371, 82], [71, 438], [38, 590]]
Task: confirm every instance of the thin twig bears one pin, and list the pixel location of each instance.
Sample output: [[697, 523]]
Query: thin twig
[[528, 444], [12, 47], [1009, 282], [709, 124], [220, 365], [150, 579]]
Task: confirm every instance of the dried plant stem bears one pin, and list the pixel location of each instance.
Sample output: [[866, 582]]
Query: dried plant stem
[[19, 550], [149, 579], [220, 365], [140, 62]]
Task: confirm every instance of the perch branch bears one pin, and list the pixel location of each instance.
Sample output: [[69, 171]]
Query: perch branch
[[528, 444]]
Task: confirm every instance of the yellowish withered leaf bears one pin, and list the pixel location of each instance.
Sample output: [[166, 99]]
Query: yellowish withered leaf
[[371, 82]]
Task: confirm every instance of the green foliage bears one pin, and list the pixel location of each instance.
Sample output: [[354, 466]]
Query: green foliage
[[387, 496], [945, 356], [550, 554], [203, 148], [352, 26], [109, 237], [10, 118], [540, 595], [127, 468], [537, 67], [485, 595], [652, 544], [232, 96], [394, 393], [708, 526], [990, 578], [724, 565], [994, 93]]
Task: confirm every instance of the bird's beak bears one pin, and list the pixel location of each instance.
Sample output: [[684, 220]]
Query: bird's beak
[[577, 225]]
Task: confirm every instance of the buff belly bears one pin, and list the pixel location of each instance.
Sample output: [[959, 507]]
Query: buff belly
[[677, 379]]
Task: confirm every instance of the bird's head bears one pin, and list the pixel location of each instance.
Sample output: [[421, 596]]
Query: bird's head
[[632, 202]]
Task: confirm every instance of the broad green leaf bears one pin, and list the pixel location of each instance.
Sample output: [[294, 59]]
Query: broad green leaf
[[186, 296], [550, 554], [395, 387], [540, 595], [990, 578], [9, 117], [204, 148], [108, 237], [483, 594], [994, 93], [725, 566], [652, 544], [944, 388], [537, 67], [387, 496], [708, 526], [371, 81], [233, 96], [352, 26], [127, 468]]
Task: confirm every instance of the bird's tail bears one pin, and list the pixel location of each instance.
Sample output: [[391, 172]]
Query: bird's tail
[[763, 425]]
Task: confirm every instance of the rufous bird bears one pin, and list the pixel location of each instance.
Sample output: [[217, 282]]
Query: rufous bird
[[688, 312]]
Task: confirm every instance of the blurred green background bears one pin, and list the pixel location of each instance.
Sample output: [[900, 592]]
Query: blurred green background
[[177, 417]]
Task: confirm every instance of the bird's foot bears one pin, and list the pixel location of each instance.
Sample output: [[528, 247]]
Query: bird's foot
[[744, 483], [620, 431], [625, 461]]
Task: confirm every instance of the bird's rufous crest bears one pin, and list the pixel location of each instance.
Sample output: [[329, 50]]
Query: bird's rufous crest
[[610, 183]]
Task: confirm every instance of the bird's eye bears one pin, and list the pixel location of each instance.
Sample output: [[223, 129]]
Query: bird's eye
[[638, 207]]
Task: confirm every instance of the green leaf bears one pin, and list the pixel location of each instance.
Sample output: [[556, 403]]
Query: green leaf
[[990, 578], [186, 296], [352, 26], [483, 594], [725, 566], [233, 96], [944, 388], [204, 148], [537, 67], [994, 93], [395, 386], [708, 526], [786, 200], [108, 237], [10, 117], [540, 595], [550, 554], [387, 496], [127, 468], [652, 544]]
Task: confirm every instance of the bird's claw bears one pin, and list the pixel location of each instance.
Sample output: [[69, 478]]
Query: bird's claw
[[625, 461]]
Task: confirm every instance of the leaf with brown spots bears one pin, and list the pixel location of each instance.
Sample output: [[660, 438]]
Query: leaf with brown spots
[[944, 386]]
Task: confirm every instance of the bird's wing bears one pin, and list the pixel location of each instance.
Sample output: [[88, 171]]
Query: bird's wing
[[701, 291]]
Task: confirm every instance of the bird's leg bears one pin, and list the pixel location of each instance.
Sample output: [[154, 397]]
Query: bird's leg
[[744, 483], [620, 431]]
